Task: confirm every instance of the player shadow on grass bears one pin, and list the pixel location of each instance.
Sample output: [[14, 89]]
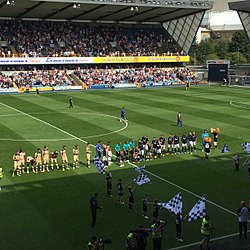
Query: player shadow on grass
[[63, 200]]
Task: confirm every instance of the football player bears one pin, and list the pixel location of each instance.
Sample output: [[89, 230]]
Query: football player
[[75, 157], [64, 158]]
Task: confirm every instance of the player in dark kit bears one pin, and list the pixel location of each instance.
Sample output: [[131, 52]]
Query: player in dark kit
[[154, 143], [207, 147], [131, 198], [216, 136], [109, 184], [120, 191], [184, 143], [194, 139], [176, 141], [163, 148], [71, 102], [144, 140], [170, 144], [178, 221], [144, 206], [156, 210], [190, 143]]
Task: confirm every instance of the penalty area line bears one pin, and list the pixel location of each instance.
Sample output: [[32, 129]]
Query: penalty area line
[[79, 139]]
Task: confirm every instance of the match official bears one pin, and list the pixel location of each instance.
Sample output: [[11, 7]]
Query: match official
[[94, 206]]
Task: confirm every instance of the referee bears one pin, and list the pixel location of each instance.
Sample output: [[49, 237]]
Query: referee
[[71, 102]]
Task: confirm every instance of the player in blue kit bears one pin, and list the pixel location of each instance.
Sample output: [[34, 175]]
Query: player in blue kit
[[98, 149], [123, 117]]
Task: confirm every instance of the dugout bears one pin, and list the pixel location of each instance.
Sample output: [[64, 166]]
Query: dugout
[[218, 70]]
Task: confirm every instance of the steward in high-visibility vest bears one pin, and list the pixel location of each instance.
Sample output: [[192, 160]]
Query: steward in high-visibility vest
[[206, 230], [131, 241], [157, 234], [205, 227]]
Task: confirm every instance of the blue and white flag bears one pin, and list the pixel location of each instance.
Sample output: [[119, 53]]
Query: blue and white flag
[[198, 211], [139, 169], [174, 205], [99, 165], [246, 146], [142, 179]]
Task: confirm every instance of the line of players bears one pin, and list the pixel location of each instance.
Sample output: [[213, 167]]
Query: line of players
[[43, 160], [146, 150]]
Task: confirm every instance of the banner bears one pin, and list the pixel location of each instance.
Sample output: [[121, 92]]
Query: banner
[[45, 60], [9, 90], [141, 59], [89, 60]]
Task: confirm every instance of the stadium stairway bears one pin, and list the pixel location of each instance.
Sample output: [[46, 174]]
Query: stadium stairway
[[76, 81]]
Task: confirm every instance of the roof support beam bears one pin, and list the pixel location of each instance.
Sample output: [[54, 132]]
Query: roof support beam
[[86, 12], [150, 18], [58, 11], [29, 9], [137, 14], [112, 13]]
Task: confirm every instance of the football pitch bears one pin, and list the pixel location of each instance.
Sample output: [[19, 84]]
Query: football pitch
[[51, 210]]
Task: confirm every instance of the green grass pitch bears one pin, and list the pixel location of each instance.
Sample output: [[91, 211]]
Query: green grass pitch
[[51, 210]]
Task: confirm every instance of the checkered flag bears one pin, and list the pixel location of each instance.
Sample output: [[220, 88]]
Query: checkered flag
[[174, 205], [198, 211], [139, 169], [246, 146], [99, 165], [142, 179]]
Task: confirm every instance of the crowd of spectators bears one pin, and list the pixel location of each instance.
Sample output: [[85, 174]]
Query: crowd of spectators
[[5, 81], [139, 75], [97, 76], [45, 78], [43, 38]]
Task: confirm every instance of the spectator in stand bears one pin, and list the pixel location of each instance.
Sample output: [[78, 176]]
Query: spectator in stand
[[54, 39]]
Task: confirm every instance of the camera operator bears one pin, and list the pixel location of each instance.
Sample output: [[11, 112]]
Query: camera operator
[[157, 233], [131, 241], [141, 235], [94, 244]]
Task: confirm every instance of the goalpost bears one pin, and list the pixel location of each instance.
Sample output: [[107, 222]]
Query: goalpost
[[239, 81]]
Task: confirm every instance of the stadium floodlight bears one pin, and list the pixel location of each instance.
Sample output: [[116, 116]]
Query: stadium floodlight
[[8, 2], [76, 6]]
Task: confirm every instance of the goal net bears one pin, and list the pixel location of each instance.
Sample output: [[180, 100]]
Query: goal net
[[237, 80]]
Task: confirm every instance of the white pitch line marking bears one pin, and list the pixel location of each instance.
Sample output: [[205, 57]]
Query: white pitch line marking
[[238, 106], [79, 139], [214, 239], [66, 139]]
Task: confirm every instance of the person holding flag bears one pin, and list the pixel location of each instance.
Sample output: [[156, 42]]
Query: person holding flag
[[144, 206], [178, 222], [131, 198], [206, 230]]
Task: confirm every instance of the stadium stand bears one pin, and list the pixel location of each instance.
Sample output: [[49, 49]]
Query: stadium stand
[[140, 75], [39, 78], [37, 39]]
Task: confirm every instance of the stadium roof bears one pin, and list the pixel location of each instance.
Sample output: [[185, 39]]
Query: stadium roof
[[240, 6], [103, 10], [243, 9]]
